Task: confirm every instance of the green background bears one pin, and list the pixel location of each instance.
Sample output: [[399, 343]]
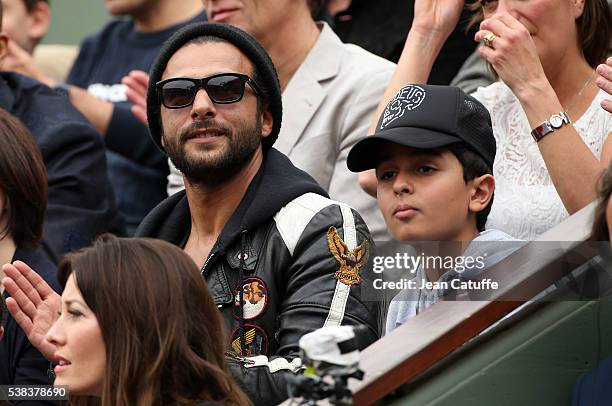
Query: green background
[[72, 20]]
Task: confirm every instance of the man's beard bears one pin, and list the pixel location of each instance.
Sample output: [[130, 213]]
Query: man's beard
[[200, 169]]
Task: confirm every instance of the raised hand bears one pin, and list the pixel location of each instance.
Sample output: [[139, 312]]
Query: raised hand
[[511, 52], [137, 82], [437, 16], [604, 81], [33, 304]]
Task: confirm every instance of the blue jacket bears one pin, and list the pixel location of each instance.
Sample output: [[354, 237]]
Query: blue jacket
[[81, 204]]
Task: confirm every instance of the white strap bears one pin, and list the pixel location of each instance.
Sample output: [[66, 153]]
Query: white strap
[[341, 294], [275, 365]]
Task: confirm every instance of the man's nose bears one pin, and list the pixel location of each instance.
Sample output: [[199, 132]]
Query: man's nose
[[203, 106]]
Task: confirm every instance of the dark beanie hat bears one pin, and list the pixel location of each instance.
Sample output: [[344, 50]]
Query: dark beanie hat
[[268, 78]]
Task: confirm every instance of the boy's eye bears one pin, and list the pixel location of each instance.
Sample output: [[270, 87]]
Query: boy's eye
[[425, 169], [386, 175]]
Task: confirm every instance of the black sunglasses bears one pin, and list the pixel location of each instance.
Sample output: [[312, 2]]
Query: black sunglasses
[[222, 88]]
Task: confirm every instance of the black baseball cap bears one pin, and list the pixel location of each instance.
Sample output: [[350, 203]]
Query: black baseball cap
[[428, 117]]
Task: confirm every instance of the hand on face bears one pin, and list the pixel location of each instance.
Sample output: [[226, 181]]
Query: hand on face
[[512, 52], [33, 304], [604, 81], [18, 60]]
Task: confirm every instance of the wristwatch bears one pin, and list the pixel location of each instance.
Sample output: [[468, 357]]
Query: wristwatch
[[555, 122]]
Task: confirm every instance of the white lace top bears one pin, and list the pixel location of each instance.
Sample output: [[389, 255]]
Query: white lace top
[[526, 203]]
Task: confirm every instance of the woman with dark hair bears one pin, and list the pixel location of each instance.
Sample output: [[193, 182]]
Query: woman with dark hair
[[551, 134], [138, 326], [23, 201]]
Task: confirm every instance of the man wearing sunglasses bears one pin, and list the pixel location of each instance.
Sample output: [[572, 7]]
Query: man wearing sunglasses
[[262, 231]]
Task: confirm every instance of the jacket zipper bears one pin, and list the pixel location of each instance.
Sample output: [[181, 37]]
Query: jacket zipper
[[206, 263], [234, 356]]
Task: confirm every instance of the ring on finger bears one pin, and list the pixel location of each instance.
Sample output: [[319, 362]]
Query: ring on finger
[[488, 40]]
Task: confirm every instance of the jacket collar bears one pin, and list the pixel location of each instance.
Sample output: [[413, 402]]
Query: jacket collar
[[277, 183], [305, 93]]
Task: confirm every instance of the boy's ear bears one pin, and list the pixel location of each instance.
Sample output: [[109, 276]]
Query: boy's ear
[[482, 192]]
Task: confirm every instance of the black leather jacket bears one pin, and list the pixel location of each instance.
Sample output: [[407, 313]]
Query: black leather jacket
[[296, 271]]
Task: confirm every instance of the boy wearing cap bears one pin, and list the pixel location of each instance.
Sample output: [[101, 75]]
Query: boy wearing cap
[[433, 151]]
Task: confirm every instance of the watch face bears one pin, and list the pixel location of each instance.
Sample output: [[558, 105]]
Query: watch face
[[556, 121]]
